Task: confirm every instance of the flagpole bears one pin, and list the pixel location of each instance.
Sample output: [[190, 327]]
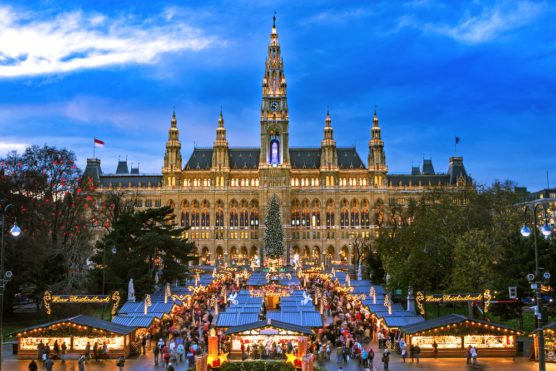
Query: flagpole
[[455, 145], [94, 147]]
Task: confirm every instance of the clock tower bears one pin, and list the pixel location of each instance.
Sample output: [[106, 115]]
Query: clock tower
[[274, 109]]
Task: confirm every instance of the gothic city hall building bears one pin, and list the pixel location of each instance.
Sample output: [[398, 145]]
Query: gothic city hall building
[[328, 195]]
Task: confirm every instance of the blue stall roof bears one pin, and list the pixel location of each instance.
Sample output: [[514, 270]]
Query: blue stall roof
[[306, 319], [235, 319], [402, 321], [135, 321]]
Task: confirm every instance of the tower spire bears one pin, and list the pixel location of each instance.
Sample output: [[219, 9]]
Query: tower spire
[[274, 108], [376, 161], [220, 147], [329, 157], [172, 157]]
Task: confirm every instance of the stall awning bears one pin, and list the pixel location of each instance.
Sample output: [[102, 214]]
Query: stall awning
[[446, 322], [550, 326], [269, 323], [81, 320]]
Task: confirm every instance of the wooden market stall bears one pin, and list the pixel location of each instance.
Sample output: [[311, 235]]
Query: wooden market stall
[[549, 332], [454, 333], [263, 332], [76, 332]]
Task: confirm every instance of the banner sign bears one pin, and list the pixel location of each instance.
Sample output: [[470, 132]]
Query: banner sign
[[271, 290], [49, 299], [422, 298]]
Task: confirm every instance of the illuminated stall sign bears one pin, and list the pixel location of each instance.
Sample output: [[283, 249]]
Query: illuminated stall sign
[[49, 299], [422, 298]]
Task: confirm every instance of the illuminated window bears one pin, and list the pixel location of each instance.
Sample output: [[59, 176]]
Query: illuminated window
[[243, 219], [295, 218], [344, 218], [219, 219], [233, 219], [354, 218]]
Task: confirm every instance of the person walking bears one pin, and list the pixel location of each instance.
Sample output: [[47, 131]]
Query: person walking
[[412, 352], [468, 355], [435, 349], [81, 363], [474, 355], [33, 365], [143, 343], [417, 352], [64, 350], [371, 358], [386, 359], [171, 367], [156, 352], [404, 352], [121, 363]]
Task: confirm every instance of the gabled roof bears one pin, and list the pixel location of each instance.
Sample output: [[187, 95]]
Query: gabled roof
[[84, 321], [201, 159], [244, 158], [348, 158], [136, 180], [451, 319], [269, 323], [550, 326], [233, 319], [305, 319], [140, 321]]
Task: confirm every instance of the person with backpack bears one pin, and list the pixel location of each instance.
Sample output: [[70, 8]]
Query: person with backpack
[[371, 357]]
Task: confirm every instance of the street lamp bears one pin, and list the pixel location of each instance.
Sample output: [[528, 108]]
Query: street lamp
[[5, 276], [546, 230], [104, 260]]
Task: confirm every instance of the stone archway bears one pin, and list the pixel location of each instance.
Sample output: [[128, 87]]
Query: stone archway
[[205, 256], [330, 255]]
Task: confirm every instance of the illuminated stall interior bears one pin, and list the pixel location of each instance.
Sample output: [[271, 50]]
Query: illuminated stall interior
[[549, 332], [454, 333], [265, 332], [76, 332]]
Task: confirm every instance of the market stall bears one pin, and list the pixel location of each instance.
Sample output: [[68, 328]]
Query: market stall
[[454, 333], [264, 332], [549, 332], [76, 333]]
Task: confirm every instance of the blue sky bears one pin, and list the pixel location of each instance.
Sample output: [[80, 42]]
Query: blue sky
[[480, 70]]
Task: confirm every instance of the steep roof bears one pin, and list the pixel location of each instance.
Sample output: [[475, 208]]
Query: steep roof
[[269, 323], [451, 319], [248, 158], [84, 321]]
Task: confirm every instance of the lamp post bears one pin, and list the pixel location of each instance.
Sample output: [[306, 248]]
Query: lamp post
[[104, 260], [435, 275], [4, 276], [526, 232]]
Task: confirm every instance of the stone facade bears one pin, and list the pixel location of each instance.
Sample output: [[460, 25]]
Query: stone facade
[[327, 194]]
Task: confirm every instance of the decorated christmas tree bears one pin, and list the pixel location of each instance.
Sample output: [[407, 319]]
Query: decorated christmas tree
[[273, 233]]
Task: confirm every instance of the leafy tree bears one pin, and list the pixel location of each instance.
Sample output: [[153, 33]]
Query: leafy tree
[[146, 241], [472, 271], [44, 186], [273, 233]]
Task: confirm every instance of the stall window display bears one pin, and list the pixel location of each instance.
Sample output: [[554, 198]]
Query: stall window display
[[489, 341], [257, 339], [444, 342], [31, 343], [113, 343]]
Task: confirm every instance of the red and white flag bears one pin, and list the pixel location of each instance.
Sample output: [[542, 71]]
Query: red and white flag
[[99, 143]]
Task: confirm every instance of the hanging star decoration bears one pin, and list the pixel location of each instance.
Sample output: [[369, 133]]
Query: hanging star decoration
[[420, 299], [373, 294]]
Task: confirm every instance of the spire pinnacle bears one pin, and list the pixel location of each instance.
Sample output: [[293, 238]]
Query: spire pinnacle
[[274, 24]]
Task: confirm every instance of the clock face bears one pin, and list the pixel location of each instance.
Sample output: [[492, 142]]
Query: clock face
[[274, 106]]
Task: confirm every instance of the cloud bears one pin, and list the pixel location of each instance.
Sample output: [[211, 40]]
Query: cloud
[[6, 147], [31, 45], [489, 24], [336, 17]]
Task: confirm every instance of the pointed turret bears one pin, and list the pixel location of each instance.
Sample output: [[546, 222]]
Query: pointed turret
[[220, 160], [376, 162], [328, 157], [172, 158]]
